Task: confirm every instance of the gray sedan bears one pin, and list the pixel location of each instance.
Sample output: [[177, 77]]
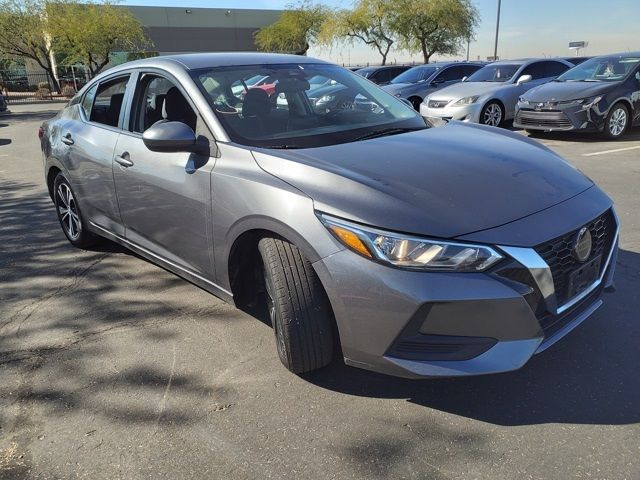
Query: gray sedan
[[355, 232], [489, 96], [420, 81]]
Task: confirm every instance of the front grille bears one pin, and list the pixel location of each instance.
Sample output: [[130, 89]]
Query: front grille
[[550, 119], [558, 253], [437, 103], [551, 324]]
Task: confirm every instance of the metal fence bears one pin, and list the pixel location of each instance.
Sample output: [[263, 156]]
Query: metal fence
[[27, 87]]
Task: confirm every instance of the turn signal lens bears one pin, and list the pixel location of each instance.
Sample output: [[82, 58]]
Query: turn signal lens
[[350, 239]]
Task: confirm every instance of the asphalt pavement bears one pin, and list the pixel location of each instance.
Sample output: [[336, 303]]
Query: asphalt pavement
[[111, 367]]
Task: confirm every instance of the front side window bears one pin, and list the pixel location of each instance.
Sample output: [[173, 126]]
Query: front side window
[[601, 69], [495, 73], [108, 101], [159, 100], [450, 74], [536, 70], [302, 105]]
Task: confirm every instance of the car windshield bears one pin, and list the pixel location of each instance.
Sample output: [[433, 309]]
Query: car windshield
[[600, 69], [494, 73], [415, 74], [290, 113]]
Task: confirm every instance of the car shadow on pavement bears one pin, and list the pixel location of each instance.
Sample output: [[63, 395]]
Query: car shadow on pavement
[[590, 377]]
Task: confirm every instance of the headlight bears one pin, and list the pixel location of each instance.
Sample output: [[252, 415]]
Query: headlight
[[587, 103], [326, 99], [410, 252], [467, 100]]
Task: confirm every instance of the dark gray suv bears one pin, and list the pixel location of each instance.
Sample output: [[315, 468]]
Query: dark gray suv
[[360, 232]]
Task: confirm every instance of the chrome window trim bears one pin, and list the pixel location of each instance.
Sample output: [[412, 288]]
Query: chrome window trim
[[542, 273]]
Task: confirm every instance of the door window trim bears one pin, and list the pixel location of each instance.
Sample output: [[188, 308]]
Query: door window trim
[[125, 101]]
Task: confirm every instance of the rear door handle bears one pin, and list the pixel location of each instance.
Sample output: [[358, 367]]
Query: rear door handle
[[124, 160], [67, 140]]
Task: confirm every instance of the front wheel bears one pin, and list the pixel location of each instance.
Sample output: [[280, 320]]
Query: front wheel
[[492, 114], [69, 214], [298, 307], [616, 122]]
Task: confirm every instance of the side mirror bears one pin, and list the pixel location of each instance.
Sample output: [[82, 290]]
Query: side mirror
[[464, 79], [524, 79], [170, 137]]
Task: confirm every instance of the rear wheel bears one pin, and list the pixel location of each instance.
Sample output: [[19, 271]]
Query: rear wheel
[[616, 122], [298, 307], [492, 114], [69, 214]]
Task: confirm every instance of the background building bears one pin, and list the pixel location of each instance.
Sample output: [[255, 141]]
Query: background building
[[181, 30]]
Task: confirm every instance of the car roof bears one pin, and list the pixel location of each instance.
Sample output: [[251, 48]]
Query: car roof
[[380, 67], [192, 61]]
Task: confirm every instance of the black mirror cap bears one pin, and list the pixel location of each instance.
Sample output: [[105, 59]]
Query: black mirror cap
[[170, 137]]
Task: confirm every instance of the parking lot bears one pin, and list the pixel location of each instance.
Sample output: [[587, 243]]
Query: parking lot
[[111, 367]]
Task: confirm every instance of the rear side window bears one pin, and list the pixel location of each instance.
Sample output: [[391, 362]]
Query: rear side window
[[108, 102], [555, 68], [87, 101]]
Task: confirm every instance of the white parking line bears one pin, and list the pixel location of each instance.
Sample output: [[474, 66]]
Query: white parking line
[[610, 151]]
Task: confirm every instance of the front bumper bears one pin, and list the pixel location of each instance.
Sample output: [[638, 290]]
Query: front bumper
[[558, 118], [438, 116], [426, 324]]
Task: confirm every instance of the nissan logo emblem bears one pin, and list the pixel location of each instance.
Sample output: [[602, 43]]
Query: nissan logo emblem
[[583, 244]]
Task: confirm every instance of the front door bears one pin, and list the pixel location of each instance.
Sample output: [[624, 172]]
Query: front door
[[164, 198]]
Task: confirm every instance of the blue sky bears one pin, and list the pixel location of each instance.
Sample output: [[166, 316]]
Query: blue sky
[[527, 28]]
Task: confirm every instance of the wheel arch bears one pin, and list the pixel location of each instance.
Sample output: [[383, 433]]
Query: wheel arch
[[52, 167]]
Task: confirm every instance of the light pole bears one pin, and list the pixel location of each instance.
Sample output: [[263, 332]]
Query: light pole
[[495, 47]]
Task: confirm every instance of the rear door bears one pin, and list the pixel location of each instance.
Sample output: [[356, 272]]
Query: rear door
[[90, 141], [164, 198]]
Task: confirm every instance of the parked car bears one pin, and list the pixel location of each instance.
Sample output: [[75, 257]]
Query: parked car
[[418, 82], [489, 96], [601, 95], [357, 231], [382, 75], [3, 103]]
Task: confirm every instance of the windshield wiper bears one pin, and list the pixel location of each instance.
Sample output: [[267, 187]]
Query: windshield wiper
[[386, 131]]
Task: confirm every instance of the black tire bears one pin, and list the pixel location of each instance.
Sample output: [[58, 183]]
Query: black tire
[[298, 307], [71, 221], [415, 101], [612, 128], [491, 111]]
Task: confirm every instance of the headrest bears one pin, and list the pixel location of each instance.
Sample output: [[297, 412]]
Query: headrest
[[256, 103]]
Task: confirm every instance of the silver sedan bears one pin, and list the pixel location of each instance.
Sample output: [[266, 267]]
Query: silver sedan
[[489, 96]]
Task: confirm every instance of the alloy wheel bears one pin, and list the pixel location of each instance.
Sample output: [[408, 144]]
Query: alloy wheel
[[492, 115], [618, 122], [68, 212]]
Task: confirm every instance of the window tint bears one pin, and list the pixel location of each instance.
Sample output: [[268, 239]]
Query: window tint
[[536, 70], [159, 100], [87, 101], [554, 69], [470, 69], [108, 102], [450, 74]]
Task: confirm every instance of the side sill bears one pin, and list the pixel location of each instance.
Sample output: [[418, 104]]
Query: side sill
[[167, 265]]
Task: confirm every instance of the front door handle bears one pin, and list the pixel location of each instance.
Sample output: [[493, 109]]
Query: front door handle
[[124, 160], [67, 140]]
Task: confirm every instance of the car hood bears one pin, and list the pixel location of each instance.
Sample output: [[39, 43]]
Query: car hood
[[441, 182], [563, 91], [468, 89]]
